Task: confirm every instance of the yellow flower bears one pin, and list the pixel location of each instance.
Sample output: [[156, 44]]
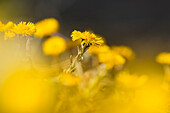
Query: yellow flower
[[127, 80], [24, 28], [125, 51], [163, 58], [87, 39], [97, 50], [8, 26], [69, 80], [111, 59], [46, 27], [9, 34], [54, 46]]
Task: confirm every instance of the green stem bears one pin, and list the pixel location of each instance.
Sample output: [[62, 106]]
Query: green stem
[[77, 58]]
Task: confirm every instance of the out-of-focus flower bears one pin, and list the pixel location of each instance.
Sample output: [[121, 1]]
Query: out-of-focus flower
[[54, 46], [24, 28], [8, 26], [9, 34], [97, 50], [125, 51], [87, 38], [46, 27], [111, 59], [163, 58], [69, 79], [127, 80]]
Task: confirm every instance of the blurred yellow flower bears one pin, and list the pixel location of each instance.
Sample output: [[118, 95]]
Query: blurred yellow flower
[[97, 50], [163, 58], [24, 28], [87, 38], [9, 34], [69, 79], [8, 26], [46, 27], [125, 51], [111, 59], [54, 46], [127, 80]]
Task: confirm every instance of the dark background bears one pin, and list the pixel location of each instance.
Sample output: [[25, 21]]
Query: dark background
[[142, 24]]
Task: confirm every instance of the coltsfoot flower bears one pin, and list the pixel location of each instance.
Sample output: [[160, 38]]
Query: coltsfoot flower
[[97, 50], [8, 26], [24, 28], [87, 38], [163, 58], [111, 59], [54, 46], [46, 27], [125, 51]]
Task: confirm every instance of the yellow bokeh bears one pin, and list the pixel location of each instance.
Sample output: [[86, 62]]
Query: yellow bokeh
[[163, 58], [46, 27], [54, 46], [23, 93]]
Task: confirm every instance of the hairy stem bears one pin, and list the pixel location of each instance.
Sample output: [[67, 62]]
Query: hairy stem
[[77, 58]]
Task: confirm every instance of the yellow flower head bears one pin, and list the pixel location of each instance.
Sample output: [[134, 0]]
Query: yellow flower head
[[8, 26], [97, 50], [54, 46], [24, 28], [46, 27], [127, 80], [9, 34], [125, 51], [69, 80], [163, 58], [111, 59], [87, 39]]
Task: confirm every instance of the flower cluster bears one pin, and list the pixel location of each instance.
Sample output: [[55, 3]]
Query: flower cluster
[[41, 29], [87, 38], [112, 56], [23, 29]]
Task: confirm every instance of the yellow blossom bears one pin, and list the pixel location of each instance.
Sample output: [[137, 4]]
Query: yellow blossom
[[8, 26], [111, 59], [125, 51], [87, 38], [54, 46], [24, 28], [9, 34], [163, 58], [97, 50], [127, 80], [69, 79], [46, 27]]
